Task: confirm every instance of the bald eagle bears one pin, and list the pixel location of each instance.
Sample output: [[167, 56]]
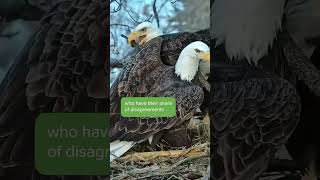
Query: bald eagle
[[260, 51], [147, 76]]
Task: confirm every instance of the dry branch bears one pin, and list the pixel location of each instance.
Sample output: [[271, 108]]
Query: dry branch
[[124, 25], [198, 151], [118, 8], [156, 13]]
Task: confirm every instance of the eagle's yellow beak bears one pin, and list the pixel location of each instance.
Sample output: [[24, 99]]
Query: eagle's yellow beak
[[136, 38], [204, 56]]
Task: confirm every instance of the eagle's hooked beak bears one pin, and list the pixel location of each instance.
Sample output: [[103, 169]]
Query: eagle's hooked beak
[[204, 56], [136, 38]]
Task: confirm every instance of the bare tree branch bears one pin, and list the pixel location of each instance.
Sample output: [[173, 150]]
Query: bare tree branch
[[174, 1], [129, 13], [156, 13], [159, 10], [114, 39], [124, 25], [118, 8], [149, 18], [124, 36]]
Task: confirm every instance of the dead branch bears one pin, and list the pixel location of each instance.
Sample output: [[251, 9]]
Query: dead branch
[[149, 18], [114, 41], [156, 13], [130, 15], [124, 25], [174, 1], [198, 151], [118, 8]]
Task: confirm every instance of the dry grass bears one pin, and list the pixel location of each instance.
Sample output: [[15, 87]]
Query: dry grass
[[163, 162]]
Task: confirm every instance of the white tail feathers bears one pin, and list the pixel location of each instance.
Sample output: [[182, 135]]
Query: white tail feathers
[[118, 148], [150, 139]]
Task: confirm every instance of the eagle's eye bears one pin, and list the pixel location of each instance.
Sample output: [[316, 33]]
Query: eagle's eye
[[197, 50], [144, 29]]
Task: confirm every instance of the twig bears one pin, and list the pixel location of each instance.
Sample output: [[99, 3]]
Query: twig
[[114, 40], [149, 18], [129, 13], [159, 10], [120, 5], [183, 161], [118, 8], [156, 13], [124, 36], [124, 25], [163, 174]]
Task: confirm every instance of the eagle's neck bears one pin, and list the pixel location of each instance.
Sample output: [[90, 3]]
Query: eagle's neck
[[246, 27], [155, 32]]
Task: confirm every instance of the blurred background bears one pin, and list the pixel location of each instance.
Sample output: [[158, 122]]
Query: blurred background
[[173, 16], [19, 20]]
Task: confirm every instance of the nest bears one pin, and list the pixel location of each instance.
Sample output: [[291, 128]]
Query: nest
[[165, 162]]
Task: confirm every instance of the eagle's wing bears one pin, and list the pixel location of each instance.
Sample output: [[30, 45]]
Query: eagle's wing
[[251, 118], [62, 69], [147, 76], [173, 44], [188, 99]]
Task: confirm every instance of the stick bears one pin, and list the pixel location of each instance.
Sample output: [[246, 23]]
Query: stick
[[199, 151], [124, 36], [156, 13]]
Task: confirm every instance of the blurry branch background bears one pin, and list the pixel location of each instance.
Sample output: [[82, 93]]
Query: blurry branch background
[[195, 16], [170, 15]]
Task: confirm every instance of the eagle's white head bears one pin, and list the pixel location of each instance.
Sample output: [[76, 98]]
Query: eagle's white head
[[193, 57], [143, 33]]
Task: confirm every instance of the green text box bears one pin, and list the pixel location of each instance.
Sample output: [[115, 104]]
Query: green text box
[[148, 107], [72, 144]]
